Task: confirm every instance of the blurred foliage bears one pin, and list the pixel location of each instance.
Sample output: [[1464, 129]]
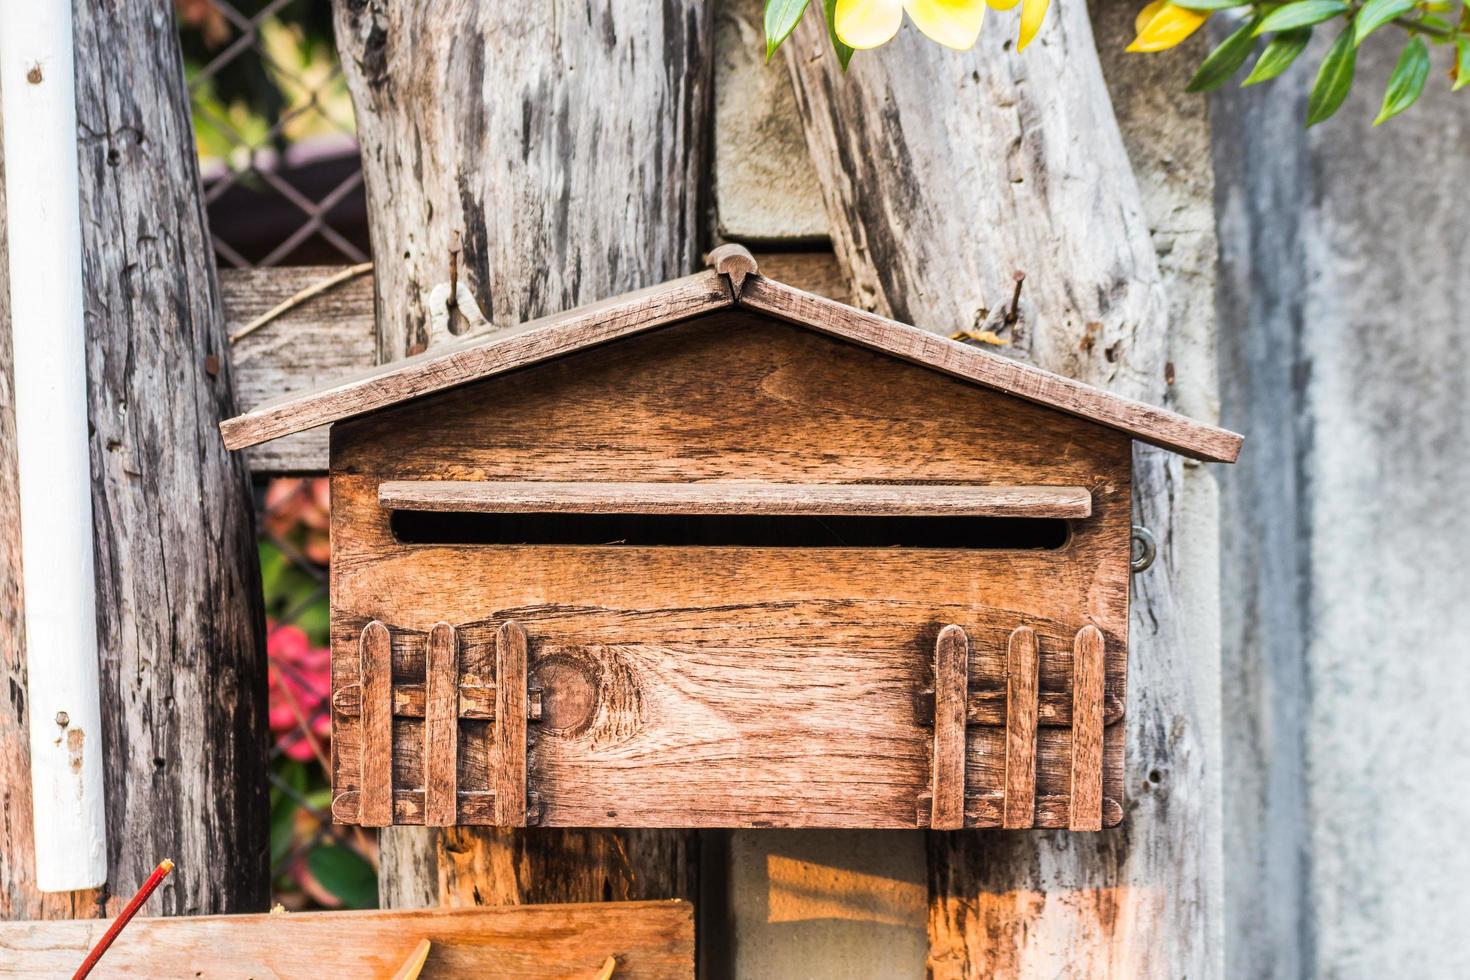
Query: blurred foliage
[[1280, 31], [316, 863], [260, 81]]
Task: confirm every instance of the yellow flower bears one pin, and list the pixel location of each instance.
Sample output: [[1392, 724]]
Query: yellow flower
[[1161, 25], [865, 24], [1033, 12]]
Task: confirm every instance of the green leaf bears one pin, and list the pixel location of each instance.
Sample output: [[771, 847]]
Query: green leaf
[[1334, 78], [782, 16], [345, 874], [1462, 63], [283, 827], [273, 565], [1441, 28], [1407, 80], [1375, 13], [1278, 56], [1225, 60], [1210, 4], [844, 53], [1303, 13]]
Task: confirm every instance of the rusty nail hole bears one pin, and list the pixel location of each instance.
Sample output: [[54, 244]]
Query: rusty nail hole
[[1155, 777], [34, 75], [211, 365], [63, 719]]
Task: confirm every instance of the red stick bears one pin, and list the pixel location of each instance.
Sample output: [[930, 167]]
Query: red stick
[[129, 910]]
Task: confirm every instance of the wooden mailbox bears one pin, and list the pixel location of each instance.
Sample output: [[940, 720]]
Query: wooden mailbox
[[723, 553]]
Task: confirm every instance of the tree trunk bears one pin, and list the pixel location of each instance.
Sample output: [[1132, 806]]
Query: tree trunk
[[563, 144], [179, 613], [943, 174]]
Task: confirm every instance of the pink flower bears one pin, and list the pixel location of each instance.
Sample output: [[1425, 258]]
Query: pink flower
[[300, 681]]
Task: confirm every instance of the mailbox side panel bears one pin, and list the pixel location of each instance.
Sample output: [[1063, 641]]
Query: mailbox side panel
[[732, 686]]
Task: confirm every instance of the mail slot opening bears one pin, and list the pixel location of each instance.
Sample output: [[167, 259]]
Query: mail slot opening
[[728, 530]]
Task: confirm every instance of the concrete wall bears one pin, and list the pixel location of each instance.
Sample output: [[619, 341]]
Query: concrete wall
[[1343, 295]]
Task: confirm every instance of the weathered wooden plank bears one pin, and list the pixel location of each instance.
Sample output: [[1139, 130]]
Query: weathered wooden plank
[[326, 338], [476, 702], [947, 765], [630, 684], [331, 337], [1021, 680], [1087, 730], [409, 806], [649, 940], [376, 745], [184, 736], [1053, 811], [454, 364], [540, 340], [864, 500], [1143, 421], [988, 707], [508, 758], [441, 726]]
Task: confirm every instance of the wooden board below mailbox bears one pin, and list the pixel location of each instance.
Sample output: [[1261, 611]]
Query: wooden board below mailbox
[[784, 683], [648, 940]]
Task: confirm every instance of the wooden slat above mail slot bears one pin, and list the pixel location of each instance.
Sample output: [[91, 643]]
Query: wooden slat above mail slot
[[851, 499]]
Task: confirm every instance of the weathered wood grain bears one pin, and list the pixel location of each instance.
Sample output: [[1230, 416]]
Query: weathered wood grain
[[330, 337], [947, 760], [480, 357], [1087, 730], [477, 703], [1143, 421], [376, 743], [684, 691], [180, 624], [649, 940], [319, 342], [1053, 811], [851, 499], [1021, 705], [441, 726], [508, 755], [1023, 169], [495, 354]]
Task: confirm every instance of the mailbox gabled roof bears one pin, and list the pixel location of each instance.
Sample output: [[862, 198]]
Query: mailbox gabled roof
[[735, 285]]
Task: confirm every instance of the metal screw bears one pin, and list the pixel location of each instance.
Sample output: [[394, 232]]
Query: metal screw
[[1148, 549], [63, 719]]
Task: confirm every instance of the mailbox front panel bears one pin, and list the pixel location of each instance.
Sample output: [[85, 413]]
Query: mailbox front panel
[[784, 680]]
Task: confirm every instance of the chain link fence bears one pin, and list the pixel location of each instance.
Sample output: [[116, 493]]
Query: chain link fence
[[283, 186]]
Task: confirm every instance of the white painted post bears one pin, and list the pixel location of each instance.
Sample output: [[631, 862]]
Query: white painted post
[[38, 81]]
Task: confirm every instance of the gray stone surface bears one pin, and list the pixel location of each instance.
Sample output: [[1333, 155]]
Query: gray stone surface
[[1345, 363], [765, 190]]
